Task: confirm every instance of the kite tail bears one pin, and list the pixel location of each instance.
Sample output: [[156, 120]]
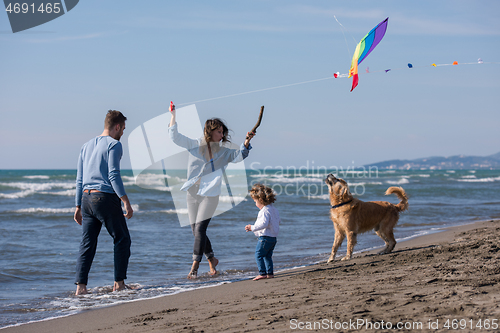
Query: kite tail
[[354, 82], [354, 74]]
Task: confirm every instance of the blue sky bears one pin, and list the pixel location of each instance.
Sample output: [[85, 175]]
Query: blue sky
[[58, 80]]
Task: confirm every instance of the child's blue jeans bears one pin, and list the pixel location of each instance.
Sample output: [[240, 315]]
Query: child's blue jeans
[[264, 254]]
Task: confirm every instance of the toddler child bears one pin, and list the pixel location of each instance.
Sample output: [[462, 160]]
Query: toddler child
[[266, 228]]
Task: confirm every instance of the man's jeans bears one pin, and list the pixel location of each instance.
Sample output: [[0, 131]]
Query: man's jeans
[[100, 208], [264, 254]]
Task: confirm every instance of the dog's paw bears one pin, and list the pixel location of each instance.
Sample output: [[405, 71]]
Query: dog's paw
[[345, 258], [330, 260]]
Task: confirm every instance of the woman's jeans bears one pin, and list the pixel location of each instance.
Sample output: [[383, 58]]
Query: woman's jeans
[[200, 210], [264, 254], [100, 208]]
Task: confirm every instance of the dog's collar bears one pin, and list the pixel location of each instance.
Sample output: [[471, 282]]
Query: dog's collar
[[340, 205]]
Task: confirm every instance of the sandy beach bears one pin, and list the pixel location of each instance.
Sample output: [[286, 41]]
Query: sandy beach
[[447, 281]]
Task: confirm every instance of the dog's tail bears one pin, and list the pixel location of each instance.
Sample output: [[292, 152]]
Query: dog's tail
[[403, 204]]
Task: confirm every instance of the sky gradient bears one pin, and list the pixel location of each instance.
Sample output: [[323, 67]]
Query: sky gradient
[[59, 79]]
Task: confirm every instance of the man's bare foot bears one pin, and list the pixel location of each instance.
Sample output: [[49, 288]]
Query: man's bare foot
[[119, 285], [213, 262], [260, 277], [270, 276], [81, 289], [193, 274]]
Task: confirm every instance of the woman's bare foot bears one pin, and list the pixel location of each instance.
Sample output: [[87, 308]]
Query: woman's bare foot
[[119, 286], [213, 262], [81, 289], [260, 277], [270, 276], [193, 274]]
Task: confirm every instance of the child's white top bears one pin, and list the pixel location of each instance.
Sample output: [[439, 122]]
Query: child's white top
[[268, 222]]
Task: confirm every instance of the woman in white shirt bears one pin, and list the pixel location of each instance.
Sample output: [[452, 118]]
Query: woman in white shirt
[[208, 158]]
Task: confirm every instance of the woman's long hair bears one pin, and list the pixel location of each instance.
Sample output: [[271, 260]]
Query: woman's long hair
[[212, 125]]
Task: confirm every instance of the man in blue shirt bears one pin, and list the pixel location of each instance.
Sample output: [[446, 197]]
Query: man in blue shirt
[[99, 189]]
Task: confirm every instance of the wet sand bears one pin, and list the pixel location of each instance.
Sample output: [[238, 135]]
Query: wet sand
[[442, 282]]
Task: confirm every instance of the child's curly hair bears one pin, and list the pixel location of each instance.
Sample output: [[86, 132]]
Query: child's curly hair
[[263, 194]]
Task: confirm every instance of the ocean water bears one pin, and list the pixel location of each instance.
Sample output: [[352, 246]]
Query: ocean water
[[39, 239]]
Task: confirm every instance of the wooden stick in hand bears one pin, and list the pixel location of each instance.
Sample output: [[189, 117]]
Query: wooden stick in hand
[[254, 129]]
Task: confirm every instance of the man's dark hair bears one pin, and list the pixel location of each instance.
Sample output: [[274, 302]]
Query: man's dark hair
[[114, 118]]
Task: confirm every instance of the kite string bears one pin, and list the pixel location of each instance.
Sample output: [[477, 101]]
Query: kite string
[[277, 87], [342, 29], [258, 90]]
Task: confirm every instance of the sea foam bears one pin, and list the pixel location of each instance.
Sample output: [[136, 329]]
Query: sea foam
[[480, 180], [37, 177], [33, 210]]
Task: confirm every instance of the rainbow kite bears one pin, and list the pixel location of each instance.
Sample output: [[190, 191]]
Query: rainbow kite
[[365, 47]]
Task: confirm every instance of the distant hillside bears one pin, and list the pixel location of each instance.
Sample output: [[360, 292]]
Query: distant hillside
[[438, 163]]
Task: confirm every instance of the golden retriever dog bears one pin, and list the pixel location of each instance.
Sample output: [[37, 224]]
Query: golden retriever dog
[[352, 216]]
